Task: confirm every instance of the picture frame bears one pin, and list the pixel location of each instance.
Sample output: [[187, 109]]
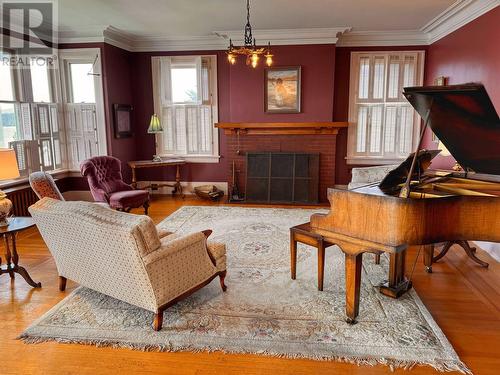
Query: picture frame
[[282, 89], [122, 120]]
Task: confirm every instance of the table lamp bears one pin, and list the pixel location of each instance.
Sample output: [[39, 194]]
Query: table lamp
[[8, 171], [155, 128]]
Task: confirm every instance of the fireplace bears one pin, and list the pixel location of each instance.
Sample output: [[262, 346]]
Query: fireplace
[[282, 177], [318, 138]]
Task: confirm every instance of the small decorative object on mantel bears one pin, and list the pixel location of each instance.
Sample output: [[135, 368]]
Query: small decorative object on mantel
[[441, 81], [155, 128], [282, 90], [8, 171], [122, 120], [249, 49]]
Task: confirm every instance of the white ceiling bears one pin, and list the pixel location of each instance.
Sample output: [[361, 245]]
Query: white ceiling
[[189, 18]]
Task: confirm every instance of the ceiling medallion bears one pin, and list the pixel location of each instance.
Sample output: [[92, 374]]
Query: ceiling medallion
[[250, 49]]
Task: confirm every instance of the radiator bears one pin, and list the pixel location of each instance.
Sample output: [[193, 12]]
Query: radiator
[[21, 199]]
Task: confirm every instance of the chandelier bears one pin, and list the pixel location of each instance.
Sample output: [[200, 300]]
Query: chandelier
[[249, 49]]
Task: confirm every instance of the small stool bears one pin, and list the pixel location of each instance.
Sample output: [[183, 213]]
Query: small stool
[[304, 234]]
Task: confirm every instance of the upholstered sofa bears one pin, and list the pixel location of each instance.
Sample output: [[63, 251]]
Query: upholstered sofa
[[123, 255]]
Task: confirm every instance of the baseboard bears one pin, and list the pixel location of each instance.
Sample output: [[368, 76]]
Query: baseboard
[[187, 186]]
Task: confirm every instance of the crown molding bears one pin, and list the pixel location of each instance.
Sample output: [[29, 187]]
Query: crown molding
[[287, 36], [383, 38], [455, 16]]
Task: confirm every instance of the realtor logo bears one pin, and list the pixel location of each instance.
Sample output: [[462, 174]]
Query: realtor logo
[[31, 25]]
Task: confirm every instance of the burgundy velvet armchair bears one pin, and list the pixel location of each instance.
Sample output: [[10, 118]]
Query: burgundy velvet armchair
[[106, 184]]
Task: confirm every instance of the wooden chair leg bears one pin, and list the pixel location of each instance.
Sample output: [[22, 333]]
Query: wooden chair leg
[[158, 320], [62, 283], [222, 276], [428, 257], [377, 258], [146, 207]]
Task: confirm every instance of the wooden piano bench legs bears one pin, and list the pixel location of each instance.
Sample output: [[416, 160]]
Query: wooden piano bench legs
[[303, 233]]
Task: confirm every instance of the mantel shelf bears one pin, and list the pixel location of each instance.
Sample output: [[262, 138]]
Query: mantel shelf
[[280, 128]]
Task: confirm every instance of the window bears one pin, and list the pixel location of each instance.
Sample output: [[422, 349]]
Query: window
[[186, 101], [40, 83], [82, 83], [83, 105], [6, 79], [9, 130], [383, 125]]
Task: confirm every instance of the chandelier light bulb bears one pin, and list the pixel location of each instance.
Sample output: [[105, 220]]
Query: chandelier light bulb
[[255, 60], [230, 57], [269, 60], [233, 60]]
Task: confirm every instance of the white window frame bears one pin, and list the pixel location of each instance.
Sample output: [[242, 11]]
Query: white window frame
[[85, 55], [366, 158], [193, 158]]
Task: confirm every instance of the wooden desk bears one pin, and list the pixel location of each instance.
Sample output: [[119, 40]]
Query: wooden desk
[[137, 164], [12, 258]]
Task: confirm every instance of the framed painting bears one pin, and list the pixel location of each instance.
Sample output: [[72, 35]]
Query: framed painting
[[282, 89], [122, 120]]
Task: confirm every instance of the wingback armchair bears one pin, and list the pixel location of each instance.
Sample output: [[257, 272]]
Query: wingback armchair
[[123, 256], [44, 185], [106, 184]]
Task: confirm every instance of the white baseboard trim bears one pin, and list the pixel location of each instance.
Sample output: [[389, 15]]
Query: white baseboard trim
[[187, 186]]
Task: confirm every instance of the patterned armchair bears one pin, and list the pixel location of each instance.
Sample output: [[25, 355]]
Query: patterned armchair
[[106, 184], [43, 185], [122, 255]]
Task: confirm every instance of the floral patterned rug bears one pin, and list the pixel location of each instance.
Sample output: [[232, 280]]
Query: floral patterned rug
[[263, 310]]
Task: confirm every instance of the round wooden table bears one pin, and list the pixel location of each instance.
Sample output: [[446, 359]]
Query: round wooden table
[[9, 232]]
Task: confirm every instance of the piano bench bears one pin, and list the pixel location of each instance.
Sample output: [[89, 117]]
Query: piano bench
[[304, 234]]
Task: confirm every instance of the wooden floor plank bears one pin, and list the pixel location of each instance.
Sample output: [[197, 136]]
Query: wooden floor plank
[[462, 297]]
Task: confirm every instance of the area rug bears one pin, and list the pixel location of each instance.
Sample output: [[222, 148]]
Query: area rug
[[263, 310]]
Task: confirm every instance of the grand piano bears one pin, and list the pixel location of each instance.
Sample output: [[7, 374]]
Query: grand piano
[[416, 206]]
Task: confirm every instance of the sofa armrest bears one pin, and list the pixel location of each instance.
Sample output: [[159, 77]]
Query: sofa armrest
[[178, 265]]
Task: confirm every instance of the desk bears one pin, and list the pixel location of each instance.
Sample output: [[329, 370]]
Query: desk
[[137, 164], [17, 224]]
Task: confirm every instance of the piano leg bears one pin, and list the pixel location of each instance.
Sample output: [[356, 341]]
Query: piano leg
[[429, 257], [398, 284], [353, 263]]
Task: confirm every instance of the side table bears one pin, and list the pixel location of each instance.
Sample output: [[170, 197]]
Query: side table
[[9, 232]]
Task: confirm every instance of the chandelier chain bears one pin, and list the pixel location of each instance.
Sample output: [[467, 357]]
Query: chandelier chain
[[248, 27]]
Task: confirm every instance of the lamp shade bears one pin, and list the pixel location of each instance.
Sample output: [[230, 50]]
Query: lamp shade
[[154, 125], [8, 164]]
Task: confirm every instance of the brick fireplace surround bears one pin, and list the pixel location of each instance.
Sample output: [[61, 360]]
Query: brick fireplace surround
[[273, 137]]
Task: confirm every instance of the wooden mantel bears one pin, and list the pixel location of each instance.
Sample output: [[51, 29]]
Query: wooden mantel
[[280, 128]]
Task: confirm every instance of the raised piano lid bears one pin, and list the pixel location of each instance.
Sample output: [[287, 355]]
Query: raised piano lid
[[464, 119]]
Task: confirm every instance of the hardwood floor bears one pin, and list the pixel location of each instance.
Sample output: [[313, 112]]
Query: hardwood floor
[[462, 297]]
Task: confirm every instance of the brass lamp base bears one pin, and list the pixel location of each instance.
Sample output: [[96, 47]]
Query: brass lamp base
[[5, 208]]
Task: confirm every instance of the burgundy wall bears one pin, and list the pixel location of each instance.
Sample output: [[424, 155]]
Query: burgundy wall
[[118, 89], [240, 99], [470, 54]]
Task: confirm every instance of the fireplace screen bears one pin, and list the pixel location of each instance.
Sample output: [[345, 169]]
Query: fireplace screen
[[282, 177]]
